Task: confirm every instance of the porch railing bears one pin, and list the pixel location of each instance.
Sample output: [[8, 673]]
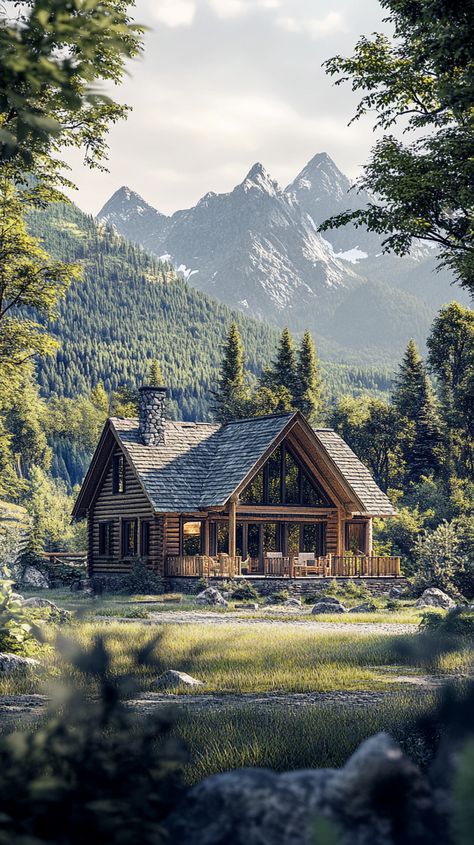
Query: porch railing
[[203, 566], [329, 566]]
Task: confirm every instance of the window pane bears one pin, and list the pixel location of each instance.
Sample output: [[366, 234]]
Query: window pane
[[292, 476], [311, 497], [253, 493], [222, 538], [254, 541], [118, 474], [293, 538], [192, 537], [355, 537], [274, 477], [271, 539], [313, 538], [129, 537]]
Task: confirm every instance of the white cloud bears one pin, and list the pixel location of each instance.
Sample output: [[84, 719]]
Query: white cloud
[[316, 27], [173, 13], [228, 8]]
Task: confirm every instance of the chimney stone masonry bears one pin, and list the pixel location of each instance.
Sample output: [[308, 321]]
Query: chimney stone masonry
[[151, 415]]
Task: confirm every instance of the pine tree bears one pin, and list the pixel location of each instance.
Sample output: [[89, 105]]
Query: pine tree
[[231, 397], [155, 377], [282, 373], [309, 386], [419, 423]]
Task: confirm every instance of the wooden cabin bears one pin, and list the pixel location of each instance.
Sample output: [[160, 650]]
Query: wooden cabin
[[266, 496]]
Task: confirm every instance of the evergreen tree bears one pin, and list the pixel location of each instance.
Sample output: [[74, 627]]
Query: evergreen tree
[[419, 424], [282, 372], [309, 386], [99, 398], [231, 397], [155, 377]]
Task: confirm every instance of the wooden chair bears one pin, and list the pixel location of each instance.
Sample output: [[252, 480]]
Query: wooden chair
[[306, 564], [273, 563]]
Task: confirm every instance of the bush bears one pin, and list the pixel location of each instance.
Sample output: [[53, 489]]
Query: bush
[[440, 560], [280, 597], [15, 631], [94, 772], [201, 584], [458, 622], [142, 580], [244, 592]]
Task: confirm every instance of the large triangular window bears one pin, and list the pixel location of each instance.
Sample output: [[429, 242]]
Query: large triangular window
[[284, 480]]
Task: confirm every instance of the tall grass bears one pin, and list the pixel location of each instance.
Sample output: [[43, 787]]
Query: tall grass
[[242, 659], [283, 738]]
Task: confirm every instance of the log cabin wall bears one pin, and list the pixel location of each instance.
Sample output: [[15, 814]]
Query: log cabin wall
[[172, 535], [114, 508]]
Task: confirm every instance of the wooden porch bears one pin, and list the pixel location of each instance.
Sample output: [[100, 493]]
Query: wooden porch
[[297, 566]]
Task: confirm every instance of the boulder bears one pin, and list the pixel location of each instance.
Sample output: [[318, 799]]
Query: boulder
[[10, 663], [395, 593], [293, 602], [60, 615], [334, 606], [433, 597], [172, 678], [365, 607], [378, 798], [17, 597], [32, 577], [211, 596]]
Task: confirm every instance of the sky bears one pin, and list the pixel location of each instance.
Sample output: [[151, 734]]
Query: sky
[[223, 84]]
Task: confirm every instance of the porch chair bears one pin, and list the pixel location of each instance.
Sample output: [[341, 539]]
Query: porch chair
[[273, 563], [307, 564]]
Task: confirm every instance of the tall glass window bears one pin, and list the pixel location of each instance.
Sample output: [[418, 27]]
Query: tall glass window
[[283, 481], [293, 538], [222, 537], [192, 534], [270, 537], [253, 544]]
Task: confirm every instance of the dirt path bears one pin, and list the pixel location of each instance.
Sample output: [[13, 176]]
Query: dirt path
[[16, 708], [176, 617]]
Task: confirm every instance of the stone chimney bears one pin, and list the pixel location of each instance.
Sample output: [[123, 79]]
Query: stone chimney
[[151, 415]]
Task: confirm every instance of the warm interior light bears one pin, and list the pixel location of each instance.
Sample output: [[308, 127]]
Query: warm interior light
[[192, 528]]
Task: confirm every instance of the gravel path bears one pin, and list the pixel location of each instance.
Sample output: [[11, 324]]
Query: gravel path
[[176, 617]]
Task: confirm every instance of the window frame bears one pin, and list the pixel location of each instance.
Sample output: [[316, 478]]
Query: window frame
[[183, 521], [145, 552], [125, 539], [119, 474], [303, 473], [106, 543]]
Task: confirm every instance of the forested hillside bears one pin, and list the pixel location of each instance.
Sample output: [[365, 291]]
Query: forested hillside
[[130, 308]]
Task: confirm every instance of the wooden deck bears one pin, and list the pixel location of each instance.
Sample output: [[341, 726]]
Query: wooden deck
[[329, 566]]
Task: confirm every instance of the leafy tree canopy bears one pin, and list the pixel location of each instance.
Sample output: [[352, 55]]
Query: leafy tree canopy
[[423, 80], [54, 54]]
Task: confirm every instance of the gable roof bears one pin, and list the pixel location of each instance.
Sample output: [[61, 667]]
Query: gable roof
[[202, 465], [355, 473]]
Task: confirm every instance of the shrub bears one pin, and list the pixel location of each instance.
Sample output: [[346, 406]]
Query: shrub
[[15, 631], [67, 573], [245, 592], [201, 584], [458, 622], [280, 597], [440, 561], [141, 579], [94, 772]]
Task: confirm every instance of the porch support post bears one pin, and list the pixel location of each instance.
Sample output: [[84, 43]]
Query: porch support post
[[369, 537], [206, 537], [341, 533], [232, 526]]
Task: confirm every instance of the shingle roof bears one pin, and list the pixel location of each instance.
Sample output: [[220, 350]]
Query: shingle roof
[[355, 473], [202, 464]]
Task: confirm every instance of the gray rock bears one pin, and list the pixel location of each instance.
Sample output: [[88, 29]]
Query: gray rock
[[37, 601], [211, 596], [433, 597], [17, 597], [395, 593], [32, 577], [378, 798], [328, 607], [293, 602], [172, 678], [365, 607], [10, 663]]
